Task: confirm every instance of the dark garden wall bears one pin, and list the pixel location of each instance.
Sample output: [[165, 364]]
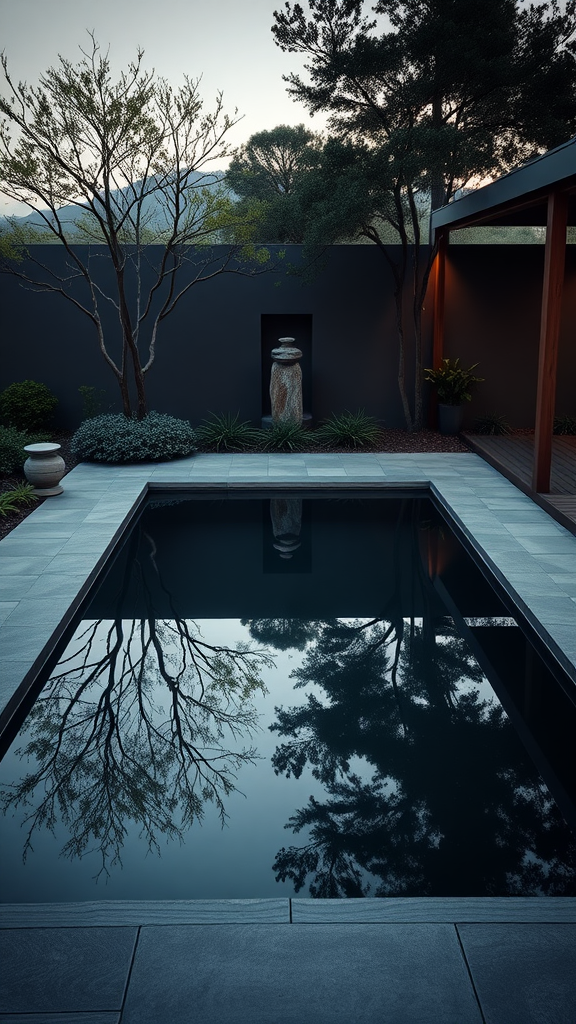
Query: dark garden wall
[[493, 304], [212, 351], [209, 353]]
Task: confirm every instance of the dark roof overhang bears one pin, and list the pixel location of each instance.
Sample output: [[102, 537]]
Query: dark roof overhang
[[517, 198]]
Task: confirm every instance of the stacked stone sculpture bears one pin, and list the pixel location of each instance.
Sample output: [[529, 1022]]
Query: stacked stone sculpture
[[286, 515], [286, 383]]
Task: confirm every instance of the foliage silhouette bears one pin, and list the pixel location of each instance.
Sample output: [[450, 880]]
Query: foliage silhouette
[[140, 722], [428, 792]]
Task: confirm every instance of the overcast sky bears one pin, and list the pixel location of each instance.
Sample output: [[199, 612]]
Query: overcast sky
[[228, 42]]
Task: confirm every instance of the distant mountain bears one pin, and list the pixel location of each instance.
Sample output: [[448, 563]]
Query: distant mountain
[[152, 211]]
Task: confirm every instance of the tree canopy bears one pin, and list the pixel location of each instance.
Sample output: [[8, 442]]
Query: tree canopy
[[439, 99], [266, 174]]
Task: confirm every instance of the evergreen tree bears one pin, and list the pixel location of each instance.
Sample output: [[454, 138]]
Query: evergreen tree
[[448, 94], [266, 173]]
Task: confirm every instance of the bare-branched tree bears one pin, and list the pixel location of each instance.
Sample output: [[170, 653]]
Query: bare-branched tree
[[118, 165], [139, 725]]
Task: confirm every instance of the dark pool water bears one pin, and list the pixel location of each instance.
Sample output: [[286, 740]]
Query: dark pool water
[[270, 697]]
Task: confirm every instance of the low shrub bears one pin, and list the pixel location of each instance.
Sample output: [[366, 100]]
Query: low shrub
[[285, 437], [565, 425], [349, 430], [10, 501], [115, 438], [27, 405], [491, 423], [225, 433], [12, 454]]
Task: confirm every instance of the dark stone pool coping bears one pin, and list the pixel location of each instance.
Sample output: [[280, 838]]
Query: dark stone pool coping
[[289, 911]]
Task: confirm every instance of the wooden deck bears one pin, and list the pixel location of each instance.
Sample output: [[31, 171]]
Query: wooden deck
[[512, 456]]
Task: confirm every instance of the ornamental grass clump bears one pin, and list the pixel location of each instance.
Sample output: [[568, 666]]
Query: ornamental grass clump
[[12, 500], [285, 437], [119, 439], [492, 423], [222, 432], [348, 430], [565, 425]]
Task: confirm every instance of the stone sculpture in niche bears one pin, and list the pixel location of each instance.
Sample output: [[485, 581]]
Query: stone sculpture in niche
[[286, 383]]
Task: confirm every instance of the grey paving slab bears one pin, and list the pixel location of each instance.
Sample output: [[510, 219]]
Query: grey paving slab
[[553, 609], [55, 585], [566, 581], [19, 640], [523, 973], [19, 565], [552, 563], [50, 609], [50, 970], [50, 530], [32, 544], [551, 545], [308, 974], [74, 563], [6, 609]]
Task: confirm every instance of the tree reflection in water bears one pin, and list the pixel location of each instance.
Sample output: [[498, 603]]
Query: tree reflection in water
[[138, 724], [443, 803]]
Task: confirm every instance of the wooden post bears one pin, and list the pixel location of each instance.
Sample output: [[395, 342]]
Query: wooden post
[[438, 322], [554, 258]]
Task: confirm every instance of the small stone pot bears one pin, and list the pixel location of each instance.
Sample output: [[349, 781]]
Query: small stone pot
[[450, 418], [44, 469]]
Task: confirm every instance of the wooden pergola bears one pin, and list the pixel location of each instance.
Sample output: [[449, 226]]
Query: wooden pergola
[[540, 193]]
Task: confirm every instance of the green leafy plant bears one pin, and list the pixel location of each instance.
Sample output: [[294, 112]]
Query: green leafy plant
[[92, 399], [348, 430], [452, 382], [223, 432], [285, 437], [565, 425], [22, 494], [27, 405], [12, 454], [117, 438], [491, 423]]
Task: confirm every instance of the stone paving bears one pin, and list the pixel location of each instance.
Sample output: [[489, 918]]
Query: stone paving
[[279, 961]]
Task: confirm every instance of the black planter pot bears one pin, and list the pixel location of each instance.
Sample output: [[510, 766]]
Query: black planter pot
[[450, 418]]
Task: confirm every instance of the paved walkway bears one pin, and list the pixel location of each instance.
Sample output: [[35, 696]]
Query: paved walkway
[[387, 961], [279, 961]]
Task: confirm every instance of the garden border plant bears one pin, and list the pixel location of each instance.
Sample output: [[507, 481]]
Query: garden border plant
[[27, 405], [116, 438]]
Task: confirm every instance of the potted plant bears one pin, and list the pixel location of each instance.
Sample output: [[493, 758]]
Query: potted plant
[[453, 386]]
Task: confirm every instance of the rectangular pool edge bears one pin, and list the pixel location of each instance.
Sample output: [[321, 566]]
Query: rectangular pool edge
[[372, 910], [23, 690]]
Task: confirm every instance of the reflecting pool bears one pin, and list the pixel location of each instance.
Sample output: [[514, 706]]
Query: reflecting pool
[[277, 695]]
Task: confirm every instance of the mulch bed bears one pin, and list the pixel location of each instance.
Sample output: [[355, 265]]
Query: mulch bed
[[391, 441]]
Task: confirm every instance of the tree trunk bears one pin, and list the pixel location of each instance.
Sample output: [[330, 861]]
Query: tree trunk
[[437, 184], [142, 405], [401, 361], [126, 408]]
